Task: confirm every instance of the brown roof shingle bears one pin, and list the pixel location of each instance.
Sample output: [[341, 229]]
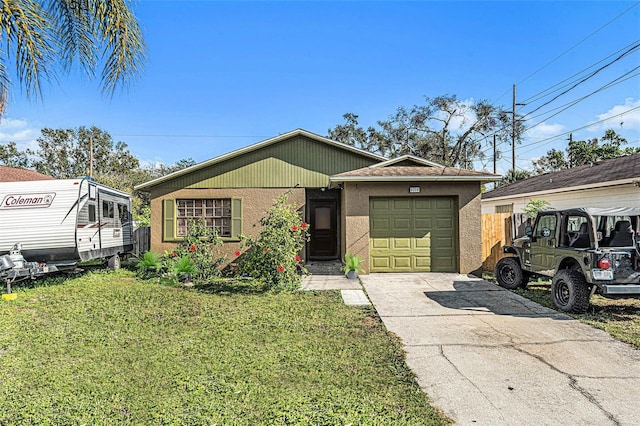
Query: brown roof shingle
[[413, 171], [11, 174], [627, 167]]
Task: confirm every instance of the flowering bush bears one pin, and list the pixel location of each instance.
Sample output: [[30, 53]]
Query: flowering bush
[[201, 246], [273, 256]]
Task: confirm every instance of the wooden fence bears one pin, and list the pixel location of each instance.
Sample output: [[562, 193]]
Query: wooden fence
[[141, 240], [496, 233]]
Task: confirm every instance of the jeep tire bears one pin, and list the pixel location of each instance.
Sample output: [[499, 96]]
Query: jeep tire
[[570, 291], [509, 274]]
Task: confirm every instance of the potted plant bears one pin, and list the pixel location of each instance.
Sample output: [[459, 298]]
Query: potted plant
[[352, 266]]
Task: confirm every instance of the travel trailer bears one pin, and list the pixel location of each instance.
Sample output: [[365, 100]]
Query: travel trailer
[[51, 225]]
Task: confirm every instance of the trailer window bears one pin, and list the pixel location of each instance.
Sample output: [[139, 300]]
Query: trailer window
[[92, 213], [216, 213], [107, 210], [123, 213]]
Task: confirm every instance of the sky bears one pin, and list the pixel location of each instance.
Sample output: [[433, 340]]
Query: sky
[[221, 75]]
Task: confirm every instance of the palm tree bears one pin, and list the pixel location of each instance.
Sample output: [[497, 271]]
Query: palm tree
[[45, 36]]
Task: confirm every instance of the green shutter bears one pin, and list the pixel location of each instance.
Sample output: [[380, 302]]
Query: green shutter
[[169, 220], [236, 217]]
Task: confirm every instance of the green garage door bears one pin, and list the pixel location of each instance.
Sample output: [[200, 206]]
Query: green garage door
[[416, 234]]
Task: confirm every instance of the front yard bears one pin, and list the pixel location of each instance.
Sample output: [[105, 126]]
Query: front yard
[[108, 348]]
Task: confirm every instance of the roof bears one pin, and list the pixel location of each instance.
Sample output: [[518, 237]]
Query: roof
[[421, 170], [408, 159], [11, 174], [255, 147], [601, 173]]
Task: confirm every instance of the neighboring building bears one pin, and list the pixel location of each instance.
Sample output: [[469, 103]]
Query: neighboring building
[[406, 214], [606, 183], [11, 174]]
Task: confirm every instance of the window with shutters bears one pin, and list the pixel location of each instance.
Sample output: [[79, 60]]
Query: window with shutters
[[216, 213]]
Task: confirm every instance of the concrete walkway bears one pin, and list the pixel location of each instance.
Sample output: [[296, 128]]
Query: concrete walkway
[[486, 356]]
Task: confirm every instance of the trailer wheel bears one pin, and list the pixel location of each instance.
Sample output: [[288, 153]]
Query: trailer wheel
[[114, 262]]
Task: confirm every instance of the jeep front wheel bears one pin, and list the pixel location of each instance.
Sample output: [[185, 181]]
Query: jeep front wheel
[[570, 291], [509, 273]]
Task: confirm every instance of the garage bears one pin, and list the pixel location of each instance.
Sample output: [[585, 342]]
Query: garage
[[413, 234]]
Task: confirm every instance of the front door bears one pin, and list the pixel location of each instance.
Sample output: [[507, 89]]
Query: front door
[[324, 229]]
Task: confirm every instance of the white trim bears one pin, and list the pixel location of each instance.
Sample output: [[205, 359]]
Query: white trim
[[564, 189], [256, 146], [410, 178], [418, 160]]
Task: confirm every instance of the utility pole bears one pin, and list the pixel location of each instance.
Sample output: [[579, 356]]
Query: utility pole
[[90, 156], [513, 132], [494, 154]]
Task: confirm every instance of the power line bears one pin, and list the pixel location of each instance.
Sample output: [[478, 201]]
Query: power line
[[555, 137], [581, 128], [577, 44], [589, 76], [606, 86], [544, 93], [572, 103], [571, 48]]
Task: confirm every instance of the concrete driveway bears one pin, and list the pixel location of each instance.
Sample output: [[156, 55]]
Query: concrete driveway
[[487, 356]]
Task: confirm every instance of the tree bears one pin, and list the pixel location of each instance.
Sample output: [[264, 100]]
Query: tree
[[12, 157], [43, 36], [552, 162], [580, 153], [444, 129], [535, 206], [65, 154], [514, 176]]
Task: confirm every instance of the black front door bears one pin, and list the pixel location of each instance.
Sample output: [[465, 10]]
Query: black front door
[[324, 229]]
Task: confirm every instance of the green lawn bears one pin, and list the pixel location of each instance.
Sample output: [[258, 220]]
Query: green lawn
[[618, 317], [108, 348]]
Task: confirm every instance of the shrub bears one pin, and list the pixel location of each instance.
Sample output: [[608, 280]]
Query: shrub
[[149, 264], [273, 257], [198, 254]]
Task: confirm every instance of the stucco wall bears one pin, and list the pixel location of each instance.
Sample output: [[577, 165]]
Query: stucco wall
[[355, 208], [627, 195], [255, 202]]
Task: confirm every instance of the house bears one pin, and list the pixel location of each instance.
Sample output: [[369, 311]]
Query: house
[[11, 174], [606, 183], [405, 214]]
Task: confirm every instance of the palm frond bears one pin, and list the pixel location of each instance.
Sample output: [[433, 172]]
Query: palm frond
[[25, 27], [124, 47]]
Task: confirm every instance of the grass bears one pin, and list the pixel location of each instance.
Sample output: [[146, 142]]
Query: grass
[[108, 348], [618, 317]]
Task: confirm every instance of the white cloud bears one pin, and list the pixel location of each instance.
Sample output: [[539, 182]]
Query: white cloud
[[545, 130], [630, 121], [20, 132]]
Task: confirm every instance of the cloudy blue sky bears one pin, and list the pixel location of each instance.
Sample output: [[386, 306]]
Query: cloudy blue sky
[[221, 75]]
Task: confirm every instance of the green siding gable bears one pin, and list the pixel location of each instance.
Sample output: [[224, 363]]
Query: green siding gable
[[299, 161]]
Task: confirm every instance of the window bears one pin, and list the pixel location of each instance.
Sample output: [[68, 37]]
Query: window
[[107, 210], [123, 213], [92, 213], [546, 226], [216, 213]]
